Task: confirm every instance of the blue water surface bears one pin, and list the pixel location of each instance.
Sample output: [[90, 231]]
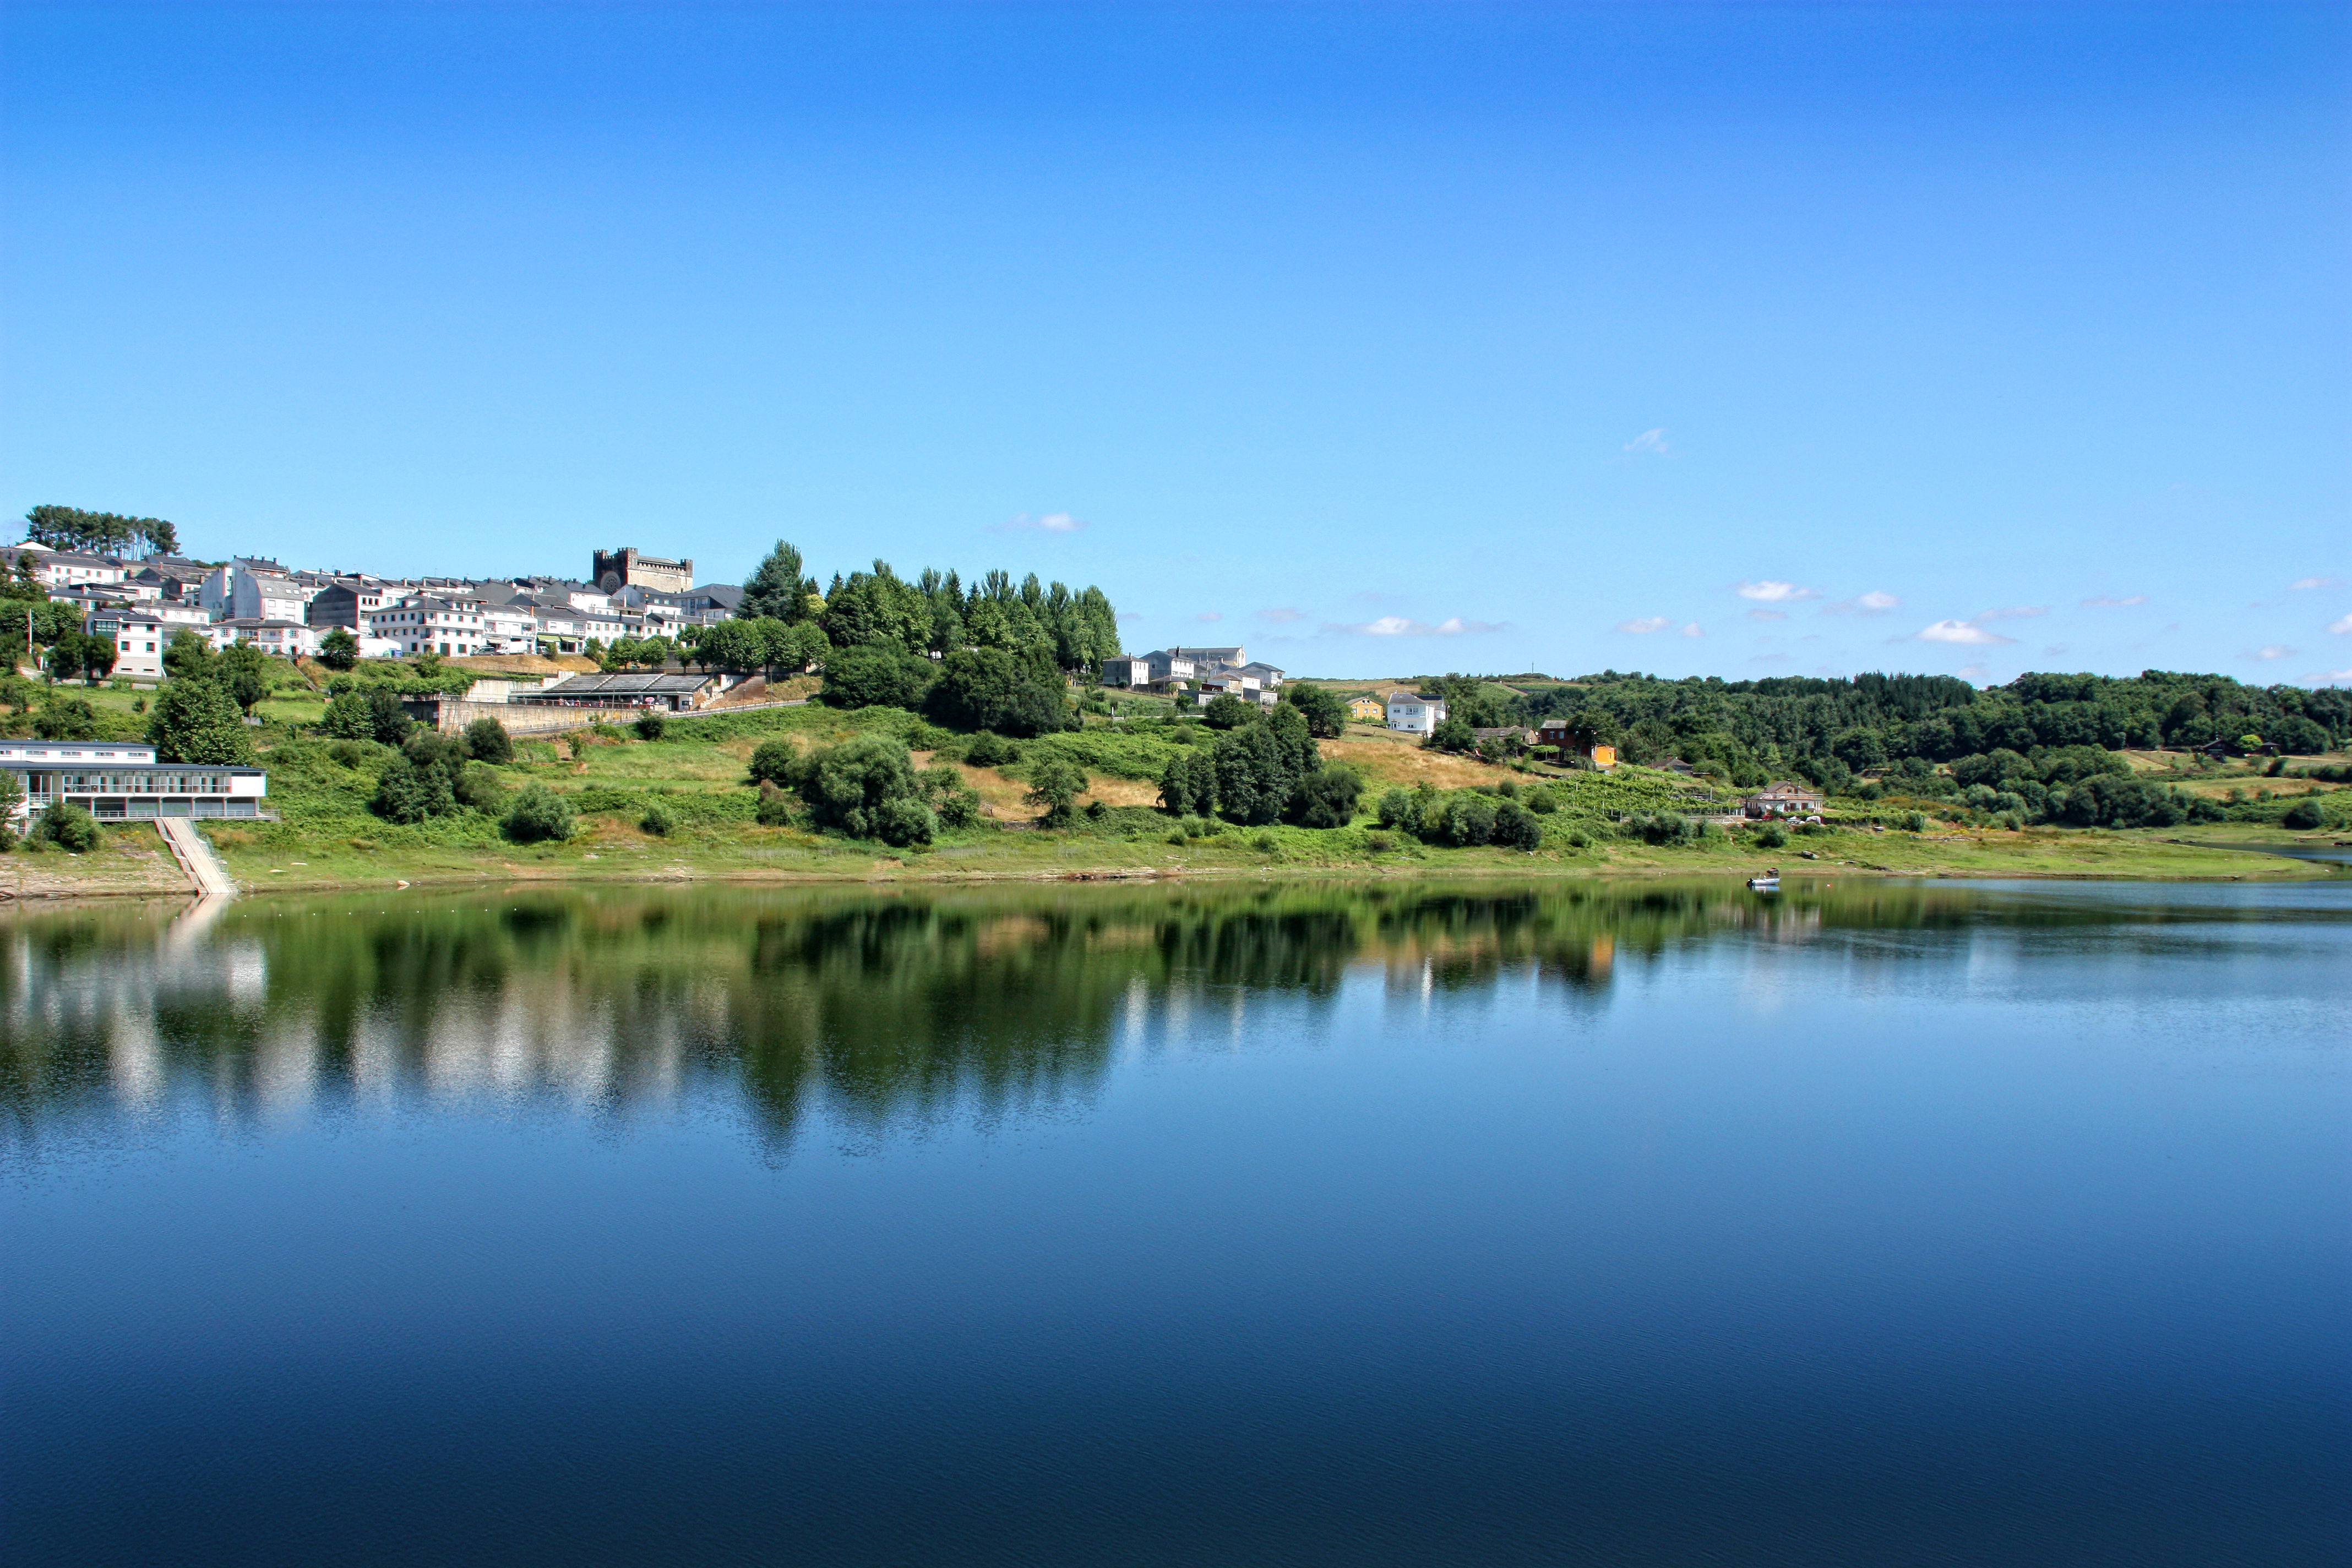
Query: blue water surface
[[1957, 1224]]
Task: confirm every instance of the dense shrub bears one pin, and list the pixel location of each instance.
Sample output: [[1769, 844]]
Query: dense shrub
[[2303, 816], [487, 741], [865, 788], [538, 815], [658, 820], [1516, 827], [773, 761], [1326, 797], [1771, 835], [65, 719], [990, 749], [650, 725], [66, 826], [775, 808], [479, 785]]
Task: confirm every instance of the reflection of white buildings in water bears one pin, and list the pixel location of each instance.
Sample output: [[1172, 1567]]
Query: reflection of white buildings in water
[[535, 1032]]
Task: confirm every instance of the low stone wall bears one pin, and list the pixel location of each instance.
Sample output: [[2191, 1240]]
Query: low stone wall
[[450, 714]]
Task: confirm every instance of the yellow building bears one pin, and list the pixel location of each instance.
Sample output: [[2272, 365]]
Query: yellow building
[[1604, 756], [1368, 710]]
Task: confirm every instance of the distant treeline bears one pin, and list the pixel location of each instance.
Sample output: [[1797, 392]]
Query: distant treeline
[[98, 532], [1829, 729], [934, 613]]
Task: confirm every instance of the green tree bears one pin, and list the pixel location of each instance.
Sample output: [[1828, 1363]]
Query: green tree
[[1327, 716], [875, 676], [186, 654], [1452, 734], [339, 650], [64, 661], [195, 720], [11, 794], [989, 689], [1227, 711], [97, 658], [1187, 785], [99, 533], [246, 670], [1055, 786], [779, 589]]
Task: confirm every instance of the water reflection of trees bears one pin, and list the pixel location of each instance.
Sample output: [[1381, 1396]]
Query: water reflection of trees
[[881, 1006]]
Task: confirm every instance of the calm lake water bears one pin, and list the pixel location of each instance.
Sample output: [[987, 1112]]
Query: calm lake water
[[1873, 1224]]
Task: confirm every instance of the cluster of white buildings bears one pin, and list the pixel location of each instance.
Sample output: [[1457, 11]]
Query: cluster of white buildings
[[1209, 672], [141, 605]]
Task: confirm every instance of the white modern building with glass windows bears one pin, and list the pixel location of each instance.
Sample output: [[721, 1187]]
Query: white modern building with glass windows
[[121, 782]]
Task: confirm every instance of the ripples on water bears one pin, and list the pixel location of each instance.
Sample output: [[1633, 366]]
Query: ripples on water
[[1876, 1223]]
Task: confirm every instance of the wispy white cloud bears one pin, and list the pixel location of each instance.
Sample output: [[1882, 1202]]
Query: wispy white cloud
[[1694, 630], [1874, 603], [1974, 671], [1653, 441], [1646, 624], [1282, 616], [2301, 584], [1767, 615], [2341, 628], [2276, 650], [2015, 613], [1967, 633], [1772, 592], [1130, 615], [1051, 522], [2330, 678], [2103, 603], [1401, 627], [1210, 616]]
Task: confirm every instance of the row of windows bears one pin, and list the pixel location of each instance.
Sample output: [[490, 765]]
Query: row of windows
[[129, 784]]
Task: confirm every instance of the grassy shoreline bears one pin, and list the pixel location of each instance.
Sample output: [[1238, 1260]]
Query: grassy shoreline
[[133, 863], [327, 839]]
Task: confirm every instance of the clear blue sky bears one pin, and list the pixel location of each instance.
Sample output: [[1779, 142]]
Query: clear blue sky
[[1383, 338]]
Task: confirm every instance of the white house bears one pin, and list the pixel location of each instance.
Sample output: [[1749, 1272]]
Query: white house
[[253, 591], [139, 641], [426, 623], [1416, 714], [70, 568], [564, 627], [287, 639], [116, 781]]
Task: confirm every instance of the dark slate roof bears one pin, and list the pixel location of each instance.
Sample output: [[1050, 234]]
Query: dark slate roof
[[642, 685]]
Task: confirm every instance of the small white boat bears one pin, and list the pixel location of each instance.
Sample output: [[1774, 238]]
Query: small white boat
[[1769, 882]]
